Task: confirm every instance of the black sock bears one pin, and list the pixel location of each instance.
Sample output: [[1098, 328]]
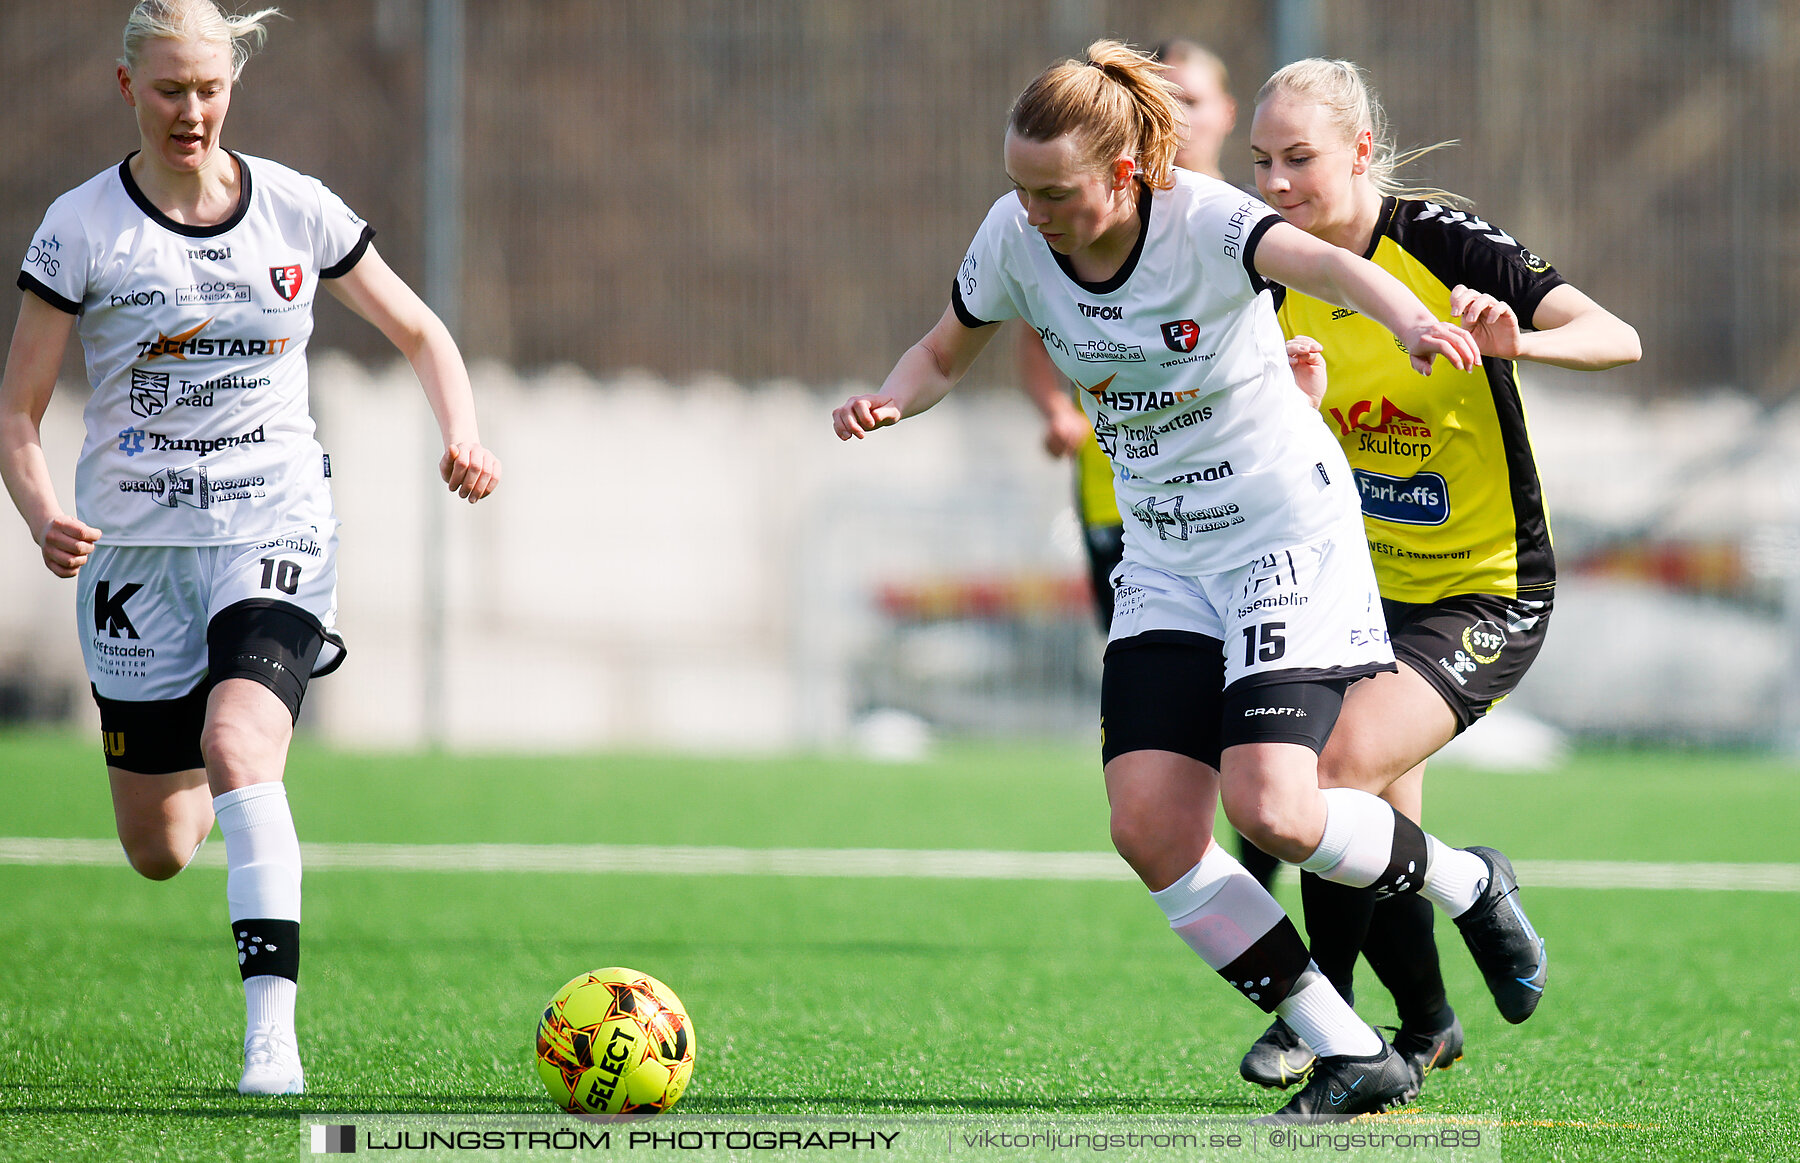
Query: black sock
[[267, 947], [1403, 953], [1258, 863], [1337, 919]]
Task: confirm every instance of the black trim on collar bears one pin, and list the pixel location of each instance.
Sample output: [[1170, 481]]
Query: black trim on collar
[[1131, 260], [182, 228], [341, 267], [29, 282], [963, 314]]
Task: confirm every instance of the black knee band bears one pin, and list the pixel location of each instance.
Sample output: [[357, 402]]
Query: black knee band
[[272, 643], [1299, 711], [1160, 692], [268, 948], [156, 737], [1268, 971], [1406, 864]]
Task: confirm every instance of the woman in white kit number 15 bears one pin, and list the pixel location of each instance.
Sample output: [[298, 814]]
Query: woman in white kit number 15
[[1245, 604]]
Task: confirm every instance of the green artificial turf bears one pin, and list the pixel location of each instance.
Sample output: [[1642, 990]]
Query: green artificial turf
[[1668, 1032]]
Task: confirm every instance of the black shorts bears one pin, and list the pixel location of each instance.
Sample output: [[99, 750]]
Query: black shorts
[[272, 643], [1474, 648], [1165, 691]]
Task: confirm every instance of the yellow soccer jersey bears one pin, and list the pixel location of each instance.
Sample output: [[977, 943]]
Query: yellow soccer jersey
[[1450, 494]]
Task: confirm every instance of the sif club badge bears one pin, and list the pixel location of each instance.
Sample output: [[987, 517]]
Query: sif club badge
[[1181, 335], [286, 281]]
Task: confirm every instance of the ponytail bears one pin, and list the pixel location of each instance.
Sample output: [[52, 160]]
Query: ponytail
[[1116, 102]]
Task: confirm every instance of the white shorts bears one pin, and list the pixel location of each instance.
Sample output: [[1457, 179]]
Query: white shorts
[[142, 610], [1306, 611]]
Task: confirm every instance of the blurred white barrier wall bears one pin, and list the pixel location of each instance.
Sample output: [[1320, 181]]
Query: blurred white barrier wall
[[662, 566], [695, 566]]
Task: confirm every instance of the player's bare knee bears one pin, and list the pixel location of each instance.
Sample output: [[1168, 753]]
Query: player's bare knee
[[1351, 760], [1271, 823], [1158, 850], [1133, 833], [240, 753], [154, 857]]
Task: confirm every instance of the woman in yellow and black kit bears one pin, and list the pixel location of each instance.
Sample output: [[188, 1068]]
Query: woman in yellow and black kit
[[1451, 500]]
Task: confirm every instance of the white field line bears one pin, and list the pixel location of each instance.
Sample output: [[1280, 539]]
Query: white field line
[[929, 864]]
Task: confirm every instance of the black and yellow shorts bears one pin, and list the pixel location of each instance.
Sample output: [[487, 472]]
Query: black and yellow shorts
[[1474, 648]]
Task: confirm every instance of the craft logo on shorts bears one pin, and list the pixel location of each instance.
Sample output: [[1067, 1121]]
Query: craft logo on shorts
[[286, 280], [1106, 351], [1421, 499], [205, 294], [1484, 641], [149, 392], [1181, 335]]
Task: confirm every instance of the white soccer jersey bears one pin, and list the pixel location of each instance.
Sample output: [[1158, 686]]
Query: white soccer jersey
[[1217, 457], [195, 336]]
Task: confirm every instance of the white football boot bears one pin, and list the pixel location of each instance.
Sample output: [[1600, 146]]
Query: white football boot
[[272, 1063]]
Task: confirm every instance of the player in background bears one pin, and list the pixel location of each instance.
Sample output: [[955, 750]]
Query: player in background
[[203, 541], [1208, 115], [1450, 496], [1246, 601]]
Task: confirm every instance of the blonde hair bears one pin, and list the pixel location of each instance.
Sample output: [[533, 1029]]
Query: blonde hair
[[1342, 90], [1116, 102], [201, 20]]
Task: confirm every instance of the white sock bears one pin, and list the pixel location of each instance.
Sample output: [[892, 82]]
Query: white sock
[[262, 883], [269, 1002], [1358, 841], [1454, 879], [1223, 913], [1318, 1013]]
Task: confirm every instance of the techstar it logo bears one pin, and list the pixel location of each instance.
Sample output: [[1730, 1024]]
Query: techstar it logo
[[1392, 420], [188, 343], [1099, 389], [172, 344]]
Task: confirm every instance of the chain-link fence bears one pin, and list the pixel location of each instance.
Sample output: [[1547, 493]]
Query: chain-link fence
[[781, 188]]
